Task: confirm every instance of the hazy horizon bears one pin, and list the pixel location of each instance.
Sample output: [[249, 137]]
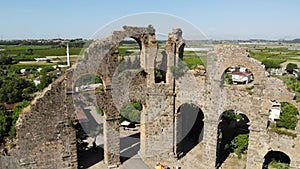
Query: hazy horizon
[[217, 19]]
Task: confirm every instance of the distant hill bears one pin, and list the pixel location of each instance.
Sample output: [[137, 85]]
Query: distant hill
[[292, 41]]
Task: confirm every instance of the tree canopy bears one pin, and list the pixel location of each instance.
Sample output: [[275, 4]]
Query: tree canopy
[[290, 67], [288, 117], [13, 89], [131, 112]]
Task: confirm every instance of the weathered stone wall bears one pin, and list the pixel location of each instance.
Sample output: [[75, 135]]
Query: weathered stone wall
[[254, 104], [46, 141], [44, 137]]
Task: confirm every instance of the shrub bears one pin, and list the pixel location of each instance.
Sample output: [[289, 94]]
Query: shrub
[[288, 117]]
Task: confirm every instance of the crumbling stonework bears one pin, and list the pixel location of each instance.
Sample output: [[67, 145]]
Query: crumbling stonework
[[45, 139]]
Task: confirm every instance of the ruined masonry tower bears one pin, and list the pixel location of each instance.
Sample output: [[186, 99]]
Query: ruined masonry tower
[[46, 140]]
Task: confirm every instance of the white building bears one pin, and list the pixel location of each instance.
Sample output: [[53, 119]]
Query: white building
[[295, 72], [241, 77], [277, 72], [42, 59], [36, 82], [243, 69], [39, 69], [275, 112], [23, 71]]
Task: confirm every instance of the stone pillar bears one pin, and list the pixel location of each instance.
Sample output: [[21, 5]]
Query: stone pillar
[[111, 141], [148, 56], [254, 158], [178, 133], [143, 135], [174, 49], [210, 141]]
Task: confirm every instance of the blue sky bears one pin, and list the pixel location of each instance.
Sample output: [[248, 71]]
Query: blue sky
[[218, 19]]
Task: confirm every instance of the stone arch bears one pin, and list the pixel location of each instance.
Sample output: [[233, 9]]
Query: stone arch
[[104, 51], [138, 41], [237, 74], [277, 156], [237, 105], [225, 56], [232, 123], [189, 128], [131, 105], [257, 69]]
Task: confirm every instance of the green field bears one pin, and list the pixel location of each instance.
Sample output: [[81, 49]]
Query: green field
[[128, 49], [28, 53], [275, 55]]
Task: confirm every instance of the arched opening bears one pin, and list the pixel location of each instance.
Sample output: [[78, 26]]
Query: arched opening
[[237, 75], [160, 64], [130, 129], [88, 120], [276, 159], [89, 135], [233, 134], [129, 51], [283, 118], [189, 128], [161, 67], [181, 51]]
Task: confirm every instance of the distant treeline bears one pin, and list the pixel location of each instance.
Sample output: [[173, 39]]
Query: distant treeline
[[74, 43], [293, 41]]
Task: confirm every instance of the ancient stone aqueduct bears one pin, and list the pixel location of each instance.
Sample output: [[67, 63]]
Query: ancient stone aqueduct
[[46, 140]]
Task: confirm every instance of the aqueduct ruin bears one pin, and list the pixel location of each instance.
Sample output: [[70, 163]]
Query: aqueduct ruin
[[46, 140]]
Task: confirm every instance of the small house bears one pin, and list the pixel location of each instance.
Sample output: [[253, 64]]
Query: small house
[[241, 77], [275, 112], [243, 69], [22, 71], [277, 72], [295, 72], [36, 81]]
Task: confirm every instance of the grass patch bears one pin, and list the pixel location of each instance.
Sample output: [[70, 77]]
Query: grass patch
[[273, 57], [283, 131], [193, 62], [20, 51], [276, 164]]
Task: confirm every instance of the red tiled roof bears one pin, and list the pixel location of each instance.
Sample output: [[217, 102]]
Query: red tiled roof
[[241, 73], [9, 106]]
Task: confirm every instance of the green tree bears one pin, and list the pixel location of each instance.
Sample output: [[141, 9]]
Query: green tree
[[14, 90], [131, 112], [5, 60], [270, 63], [29, 51], [98, 79], [179, 70], [15, 115], [290, 67], [288, 117], [4, 122], [45, 81], [240, 144]]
